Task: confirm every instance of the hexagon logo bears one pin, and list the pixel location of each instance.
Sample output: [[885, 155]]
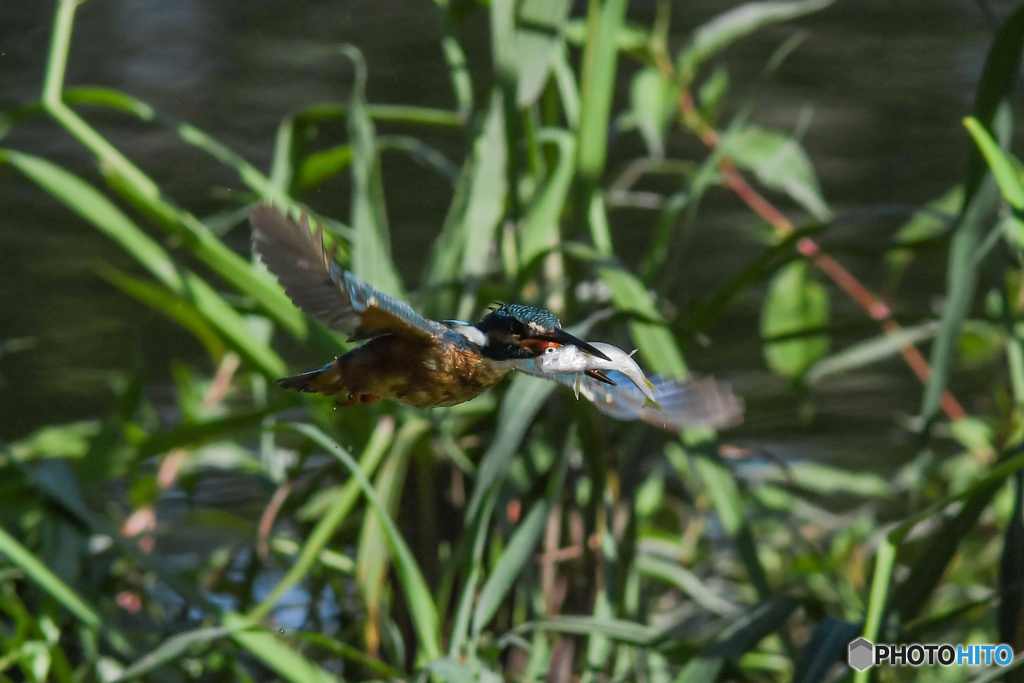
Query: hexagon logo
[[861, 654]]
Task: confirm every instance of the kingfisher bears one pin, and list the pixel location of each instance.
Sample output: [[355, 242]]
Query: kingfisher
[[426, 363]]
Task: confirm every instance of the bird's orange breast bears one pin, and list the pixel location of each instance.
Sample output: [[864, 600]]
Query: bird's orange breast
[[418, 373]]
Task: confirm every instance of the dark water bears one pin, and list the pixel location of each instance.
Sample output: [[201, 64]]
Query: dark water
[[885, 84]]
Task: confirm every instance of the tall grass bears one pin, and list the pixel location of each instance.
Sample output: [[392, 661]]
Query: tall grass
[[499, 539]]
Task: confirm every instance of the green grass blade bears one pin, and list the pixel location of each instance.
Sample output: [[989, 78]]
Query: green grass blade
[[686, 582], [541, 226], [286, 662], [462, 83], [619, 630], [725, 496], [319, 166], [655, 341], [701, 669], [395, 113], [371, 251], [485, 203], [998, 80], [885, 560], [871, 351], [523, 400], [464, 610], [92, 206], [1003, 169], [1011, 570], [171, 649], [372, 555], [282, 165], [727, 28], [39, 574], [913, 594], [421, 605], [518, 552], [537, 40], [339, 508], [600, 62], [828, 645], [174, 307]]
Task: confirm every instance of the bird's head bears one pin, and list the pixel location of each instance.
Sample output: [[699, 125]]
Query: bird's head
[[519, 332]]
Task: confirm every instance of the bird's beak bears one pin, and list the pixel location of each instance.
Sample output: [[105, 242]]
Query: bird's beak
[[563, 338]]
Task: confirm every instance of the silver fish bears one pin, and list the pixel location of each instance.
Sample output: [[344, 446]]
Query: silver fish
[[568, 359]]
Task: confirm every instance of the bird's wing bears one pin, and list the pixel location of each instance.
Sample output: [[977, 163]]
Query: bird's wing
[[698, 401], [324, 290]]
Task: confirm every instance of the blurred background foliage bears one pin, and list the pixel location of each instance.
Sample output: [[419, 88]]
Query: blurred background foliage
[[169, 515]]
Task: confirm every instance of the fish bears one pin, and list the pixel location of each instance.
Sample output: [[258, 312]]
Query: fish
[[568, 359]]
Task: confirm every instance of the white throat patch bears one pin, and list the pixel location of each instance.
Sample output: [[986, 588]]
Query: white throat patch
[[472, 334]]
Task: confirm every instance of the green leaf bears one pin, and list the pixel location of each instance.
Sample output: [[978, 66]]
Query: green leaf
[[537, 39], [827, 646], [600, 62], [712, 94], [727, 28], [728, 501], [46, 580], [341, 504], [372, 555], [652, 99], [618, 630], [1003, 168], [652, 337], [286, 662], [371, 249], [795, 303], [523, 400], [420, 603], [171, 649], [450, 670], [780, 163], [701, 669], [70, 440], [516, 556], [179, 310], [462, 83], [485, 203], [750, 628], [686, 582], [541, 226], [992, 110], [871, 351], [319, 166], [1011, 574], [39, 574], [95, 208]]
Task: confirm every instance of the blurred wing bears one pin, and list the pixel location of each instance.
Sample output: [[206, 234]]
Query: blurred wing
[[696, 402], [324, 290]]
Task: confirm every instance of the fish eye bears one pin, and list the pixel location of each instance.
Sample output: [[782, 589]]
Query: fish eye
[[551, 350]]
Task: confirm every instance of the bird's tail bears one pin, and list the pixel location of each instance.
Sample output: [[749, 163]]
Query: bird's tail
[[326, 380]]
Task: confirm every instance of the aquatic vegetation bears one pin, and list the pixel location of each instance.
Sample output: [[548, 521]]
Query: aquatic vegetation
[[516, 536]]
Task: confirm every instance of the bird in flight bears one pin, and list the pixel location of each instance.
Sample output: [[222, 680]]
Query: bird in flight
[[428, 363]]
